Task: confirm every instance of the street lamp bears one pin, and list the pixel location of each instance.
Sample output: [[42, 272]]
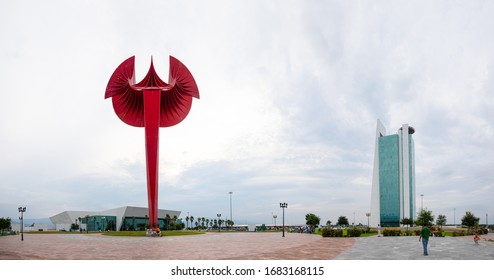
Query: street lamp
[[368, 215], [219, 223], [22, 210], [231, 215], [454, 217], [283, 205], [353, 219]]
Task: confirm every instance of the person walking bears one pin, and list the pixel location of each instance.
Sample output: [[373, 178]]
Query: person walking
[[424, 236]]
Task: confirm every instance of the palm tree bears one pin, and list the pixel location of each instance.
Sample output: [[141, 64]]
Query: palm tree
[[207, 222], [187, 219], [174, 220], [203, 220], [168, 220], [191, 220]]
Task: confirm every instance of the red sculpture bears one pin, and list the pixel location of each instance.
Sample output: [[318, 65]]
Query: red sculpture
[[151, 104]]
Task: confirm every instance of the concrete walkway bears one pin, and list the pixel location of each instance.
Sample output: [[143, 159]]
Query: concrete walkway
[[409, 248]]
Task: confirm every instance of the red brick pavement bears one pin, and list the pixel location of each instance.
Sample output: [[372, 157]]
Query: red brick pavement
[[210, 246]]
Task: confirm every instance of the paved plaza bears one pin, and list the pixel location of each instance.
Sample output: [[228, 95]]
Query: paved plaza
[[239, 246]]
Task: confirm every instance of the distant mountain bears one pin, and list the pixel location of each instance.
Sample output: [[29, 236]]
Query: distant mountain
[[28, 222]]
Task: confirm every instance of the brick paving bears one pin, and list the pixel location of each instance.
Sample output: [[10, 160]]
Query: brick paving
[[209, 246], [239, 246]]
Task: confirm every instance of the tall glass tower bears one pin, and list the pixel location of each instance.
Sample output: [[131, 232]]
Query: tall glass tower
[[393, 180]]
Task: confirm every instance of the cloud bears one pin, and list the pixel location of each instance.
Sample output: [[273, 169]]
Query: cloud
[[290, 94]]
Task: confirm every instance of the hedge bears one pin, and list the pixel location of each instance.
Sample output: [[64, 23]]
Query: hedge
[[351, 232]]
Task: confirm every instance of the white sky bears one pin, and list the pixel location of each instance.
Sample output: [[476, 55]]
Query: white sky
[[290, 94]]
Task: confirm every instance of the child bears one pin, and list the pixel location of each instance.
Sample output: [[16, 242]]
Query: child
[[476, 238]]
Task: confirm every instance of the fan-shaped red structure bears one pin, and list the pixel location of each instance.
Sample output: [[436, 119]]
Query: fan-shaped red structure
[[151, 104]]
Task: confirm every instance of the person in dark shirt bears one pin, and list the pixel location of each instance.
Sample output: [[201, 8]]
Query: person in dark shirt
[[424, 236]]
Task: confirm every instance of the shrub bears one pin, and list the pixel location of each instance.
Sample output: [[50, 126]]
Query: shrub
[[391, 232], [355, 232], [459, 233], [329, 232]]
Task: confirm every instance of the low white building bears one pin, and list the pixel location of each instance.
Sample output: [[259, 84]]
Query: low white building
[[123, 218]]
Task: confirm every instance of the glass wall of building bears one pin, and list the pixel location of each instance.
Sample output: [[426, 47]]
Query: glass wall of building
[[389, 191], [100, 223], [412, 175], [140, 223]]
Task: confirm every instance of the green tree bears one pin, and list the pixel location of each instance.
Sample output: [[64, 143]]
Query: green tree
[[342, 221], [5, 223], [168, 219], [469, 220], [191, 220], [74, 227], [328, 223], [407, 222], [441, 220], [425, 218], [312, 220], [187, 220]]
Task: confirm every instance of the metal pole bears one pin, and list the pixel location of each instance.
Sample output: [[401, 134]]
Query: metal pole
[[283, 205], [231, 214], [283, 222], [454, 217], [368, 215], [422, 202], [22, 210], [22, 226]]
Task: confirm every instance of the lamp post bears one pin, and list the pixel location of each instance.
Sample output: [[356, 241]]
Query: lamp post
[[353, 220], [22, 210], [219, 223], [274, 217], [454, 217], [231, 214], [486, 221], [368, 215], [283, 205]]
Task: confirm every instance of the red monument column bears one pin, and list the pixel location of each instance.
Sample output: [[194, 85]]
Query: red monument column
[[152, 104]]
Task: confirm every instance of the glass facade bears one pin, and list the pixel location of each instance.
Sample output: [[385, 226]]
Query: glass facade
[[100, 223], [140, 223], [411, 150], [389, 181]]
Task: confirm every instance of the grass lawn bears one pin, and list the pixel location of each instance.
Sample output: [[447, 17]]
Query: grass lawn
[[368, 234], [54, 232], [143, 233]]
